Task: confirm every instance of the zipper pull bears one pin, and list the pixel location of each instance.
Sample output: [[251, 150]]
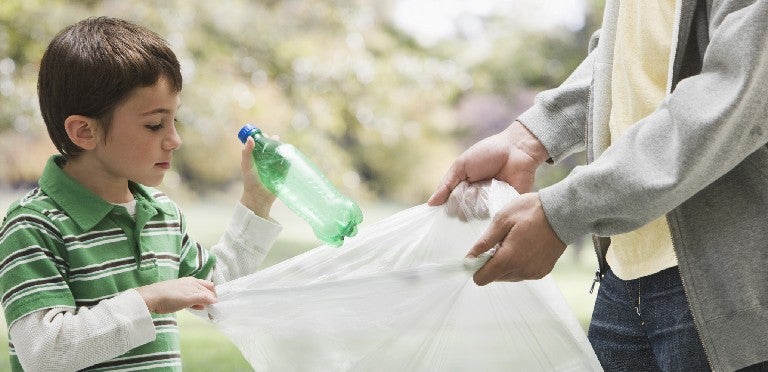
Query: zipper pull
[[595, 281]]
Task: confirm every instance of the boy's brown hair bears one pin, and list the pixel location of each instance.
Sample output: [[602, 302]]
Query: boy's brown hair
[[90, 67]]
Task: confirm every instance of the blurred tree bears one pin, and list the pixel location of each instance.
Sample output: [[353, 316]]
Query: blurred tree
[[374, 106]]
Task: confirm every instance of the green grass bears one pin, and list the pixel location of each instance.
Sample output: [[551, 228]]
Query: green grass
[[204, 348]]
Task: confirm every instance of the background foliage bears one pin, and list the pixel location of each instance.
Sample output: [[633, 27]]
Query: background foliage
[[380, 110]]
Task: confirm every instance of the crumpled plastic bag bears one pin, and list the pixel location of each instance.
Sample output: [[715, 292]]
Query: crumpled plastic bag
[[400, 297]]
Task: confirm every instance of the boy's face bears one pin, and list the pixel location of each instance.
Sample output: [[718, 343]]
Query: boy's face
[[142, 138]]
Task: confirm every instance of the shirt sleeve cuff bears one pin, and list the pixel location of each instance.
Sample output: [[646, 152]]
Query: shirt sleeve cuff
[[130, 309], [245, 227]]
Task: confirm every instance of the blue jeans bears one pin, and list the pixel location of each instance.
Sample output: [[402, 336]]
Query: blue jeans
[[645, 325]]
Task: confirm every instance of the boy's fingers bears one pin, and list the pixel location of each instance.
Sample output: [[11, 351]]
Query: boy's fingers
[[205, 298], [208, 285], [245, 162]]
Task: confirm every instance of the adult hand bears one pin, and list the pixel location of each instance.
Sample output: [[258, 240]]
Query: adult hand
[[511, 156], [469, 201], [173, 295], [528, 247], [256, 196]]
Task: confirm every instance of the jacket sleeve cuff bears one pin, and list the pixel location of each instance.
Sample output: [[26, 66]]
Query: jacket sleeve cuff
[[561, 214], [559, 143]]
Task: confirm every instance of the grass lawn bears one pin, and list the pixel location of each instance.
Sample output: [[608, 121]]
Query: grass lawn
[[204, 348]]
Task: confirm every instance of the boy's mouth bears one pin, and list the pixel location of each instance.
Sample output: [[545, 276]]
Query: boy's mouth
[[164, 165]]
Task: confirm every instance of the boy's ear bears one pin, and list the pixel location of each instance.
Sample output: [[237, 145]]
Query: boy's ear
[[82, 131]]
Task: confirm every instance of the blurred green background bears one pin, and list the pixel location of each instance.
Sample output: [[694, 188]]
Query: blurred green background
[[382, 95]]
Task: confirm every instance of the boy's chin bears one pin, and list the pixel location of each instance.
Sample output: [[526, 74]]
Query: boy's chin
[[150, 182]]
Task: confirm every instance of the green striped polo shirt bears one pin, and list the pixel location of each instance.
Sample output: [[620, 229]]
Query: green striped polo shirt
[[61, 245]]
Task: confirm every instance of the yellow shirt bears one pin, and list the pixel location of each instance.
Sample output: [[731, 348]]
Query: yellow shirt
[[638, 86]]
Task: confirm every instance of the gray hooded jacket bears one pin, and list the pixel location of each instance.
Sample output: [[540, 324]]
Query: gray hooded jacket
[[701, 158]]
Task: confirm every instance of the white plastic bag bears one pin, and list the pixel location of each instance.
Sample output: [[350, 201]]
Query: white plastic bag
[[400, 297]]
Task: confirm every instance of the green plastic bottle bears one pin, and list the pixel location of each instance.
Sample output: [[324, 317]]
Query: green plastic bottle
[[298, 183]]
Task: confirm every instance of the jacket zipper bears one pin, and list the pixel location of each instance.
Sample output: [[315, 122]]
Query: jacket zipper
[[600, 244], [670, 223], [675, 237], [589, 158]]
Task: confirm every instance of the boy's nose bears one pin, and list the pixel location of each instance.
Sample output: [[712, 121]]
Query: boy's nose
[[172, 141]]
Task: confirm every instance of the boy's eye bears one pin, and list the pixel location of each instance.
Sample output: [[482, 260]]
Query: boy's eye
[[154, 127]]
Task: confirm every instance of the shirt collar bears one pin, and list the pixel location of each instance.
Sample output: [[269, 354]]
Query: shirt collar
[[81, 204]]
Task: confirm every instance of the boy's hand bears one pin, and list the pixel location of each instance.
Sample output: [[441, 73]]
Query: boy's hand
[[255, 197], [173, 295]]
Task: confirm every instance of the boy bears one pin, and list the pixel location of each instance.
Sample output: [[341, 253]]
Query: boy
[[94, 262]]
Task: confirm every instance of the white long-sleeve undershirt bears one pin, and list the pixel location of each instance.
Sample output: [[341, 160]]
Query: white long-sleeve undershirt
[[64, 339]]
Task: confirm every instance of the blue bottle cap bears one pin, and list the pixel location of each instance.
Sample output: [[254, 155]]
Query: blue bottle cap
[[246, 132]]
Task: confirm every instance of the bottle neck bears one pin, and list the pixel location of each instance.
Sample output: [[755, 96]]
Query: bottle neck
[[264, 143], [259, 140]]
